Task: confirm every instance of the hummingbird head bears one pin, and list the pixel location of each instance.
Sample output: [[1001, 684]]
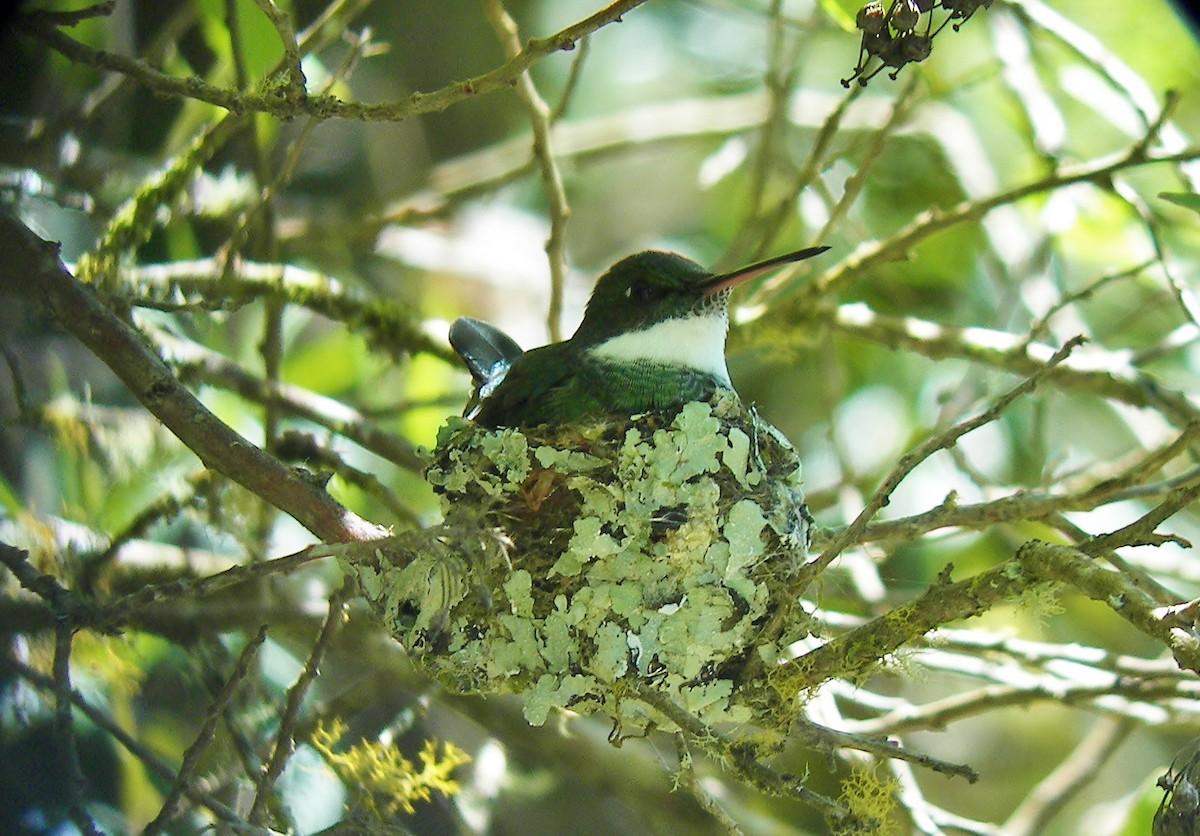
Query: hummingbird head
[[664, 309], [644, 289]]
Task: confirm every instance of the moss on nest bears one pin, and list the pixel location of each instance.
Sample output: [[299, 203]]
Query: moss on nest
[[656, 549]]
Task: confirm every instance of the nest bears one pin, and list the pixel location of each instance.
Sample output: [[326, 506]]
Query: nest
[[656, 552]]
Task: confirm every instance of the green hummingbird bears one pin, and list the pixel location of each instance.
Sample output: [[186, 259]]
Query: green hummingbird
[[652, 337]]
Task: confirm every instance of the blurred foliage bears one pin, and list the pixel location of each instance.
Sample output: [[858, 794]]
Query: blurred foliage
[[1033, 180]]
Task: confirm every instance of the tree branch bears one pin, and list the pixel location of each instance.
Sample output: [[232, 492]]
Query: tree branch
[[1071, 776], [285, 738], [191, 757], [944, 440], [1048, 562], [34, 271], [1107, 374], [286, 102], [929, 223], [543, 152], [143, 753], [853, 653]]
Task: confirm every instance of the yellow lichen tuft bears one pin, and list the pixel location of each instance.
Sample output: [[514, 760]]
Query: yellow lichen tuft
[[870, 799], [383, 780]]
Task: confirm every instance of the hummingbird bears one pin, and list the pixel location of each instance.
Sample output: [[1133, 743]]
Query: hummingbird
[[652, 337]]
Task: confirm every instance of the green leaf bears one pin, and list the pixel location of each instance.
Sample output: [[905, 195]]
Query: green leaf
[[1184, 199], [331, 362], [1140, 817], [843, 12], [8, 498]]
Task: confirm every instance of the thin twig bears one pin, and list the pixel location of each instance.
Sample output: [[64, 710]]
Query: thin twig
[[327, 106], [543, 151], [1040, 327], [123, 609], [1126, 484], [1044, 121], [202, 284], [1125, 697], [1142, 530], [910, 460], [872, 254], [191, 757], [1098, 57], [1043, 654], [285, 738], [73, 18], [590, 138], [282, 22], [143, 753], [167, 506], [691, 782], [164, 39], [326, 461], [743, 757], [881, 747], [196, 362], [879, 141], [780, 77], [1074, 774], [258, 216], [56, 596], [64, 730], [1105, 374], [582, 49], [1184, 296], [880, 138]]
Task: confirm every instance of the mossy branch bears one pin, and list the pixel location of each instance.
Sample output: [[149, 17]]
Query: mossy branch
[[210, 284], [281, 97], [857, 653], [135, 220]]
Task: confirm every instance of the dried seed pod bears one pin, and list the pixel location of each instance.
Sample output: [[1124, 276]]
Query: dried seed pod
[[892, 37], [903, 15], [876, 35], [871, 19], [906, 49], [961, 10]]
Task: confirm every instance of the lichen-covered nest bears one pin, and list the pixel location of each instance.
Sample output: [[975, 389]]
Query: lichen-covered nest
[[654, 552]]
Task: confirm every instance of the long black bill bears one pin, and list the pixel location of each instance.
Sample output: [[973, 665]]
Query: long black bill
[[744, 274]]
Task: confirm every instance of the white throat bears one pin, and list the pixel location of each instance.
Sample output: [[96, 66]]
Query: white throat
[[694, 342]]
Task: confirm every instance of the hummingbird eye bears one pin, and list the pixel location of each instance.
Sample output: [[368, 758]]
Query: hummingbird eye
[[640, 291]]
